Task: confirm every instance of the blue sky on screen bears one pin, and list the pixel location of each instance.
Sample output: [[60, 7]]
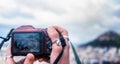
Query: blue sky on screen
[[84, 19]]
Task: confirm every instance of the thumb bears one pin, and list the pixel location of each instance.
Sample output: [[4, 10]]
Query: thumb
[[29, 59]]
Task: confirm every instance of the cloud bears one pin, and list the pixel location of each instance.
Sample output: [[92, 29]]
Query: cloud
[[14, 14], [116, 13], [84, 19], [6, 5]]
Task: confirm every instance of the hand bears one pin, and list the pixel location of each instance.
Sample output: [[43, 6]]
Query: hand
[[53, 34]]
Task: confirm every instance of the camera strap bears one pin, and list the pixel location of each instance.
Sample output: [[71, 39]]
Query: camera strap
[[75, 54], [63, 43], [6, 38]]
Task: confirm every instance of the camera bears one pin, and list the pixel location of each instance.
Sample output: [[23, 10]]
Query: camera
[[27, 39]]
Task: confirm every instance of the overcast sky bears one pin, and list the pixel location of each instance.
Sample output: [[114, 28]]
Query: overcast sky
[[84, 19]]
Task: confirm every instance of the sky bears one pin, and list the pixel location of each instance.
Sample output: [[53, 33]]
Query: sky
[[84, 19]]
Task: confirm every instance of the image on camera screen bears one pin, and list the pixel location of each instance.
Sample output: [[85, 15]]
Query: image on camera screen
[[27, 42]]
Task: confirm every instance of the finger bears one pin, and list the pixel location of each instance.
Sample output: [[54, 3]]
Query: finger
[[52, 33], [29, 59], [55, 48], [9, 49], [9, 60], [65, 57], [64, 32], [44, 59]]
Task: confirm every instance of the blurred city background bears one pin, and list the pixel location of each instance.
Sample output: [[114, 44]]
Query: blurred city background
[[93, 25]]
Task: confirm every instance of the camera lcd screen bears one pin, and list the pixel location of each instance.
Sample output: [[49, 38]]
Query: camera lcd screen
[[27, 42]]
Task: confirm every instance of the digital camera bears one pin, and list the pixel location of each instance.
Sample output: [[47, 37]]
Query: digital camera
[[27, 39]]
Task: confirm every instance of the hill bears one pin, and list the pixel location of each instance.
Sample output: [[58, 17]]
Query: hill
[[107, 39]]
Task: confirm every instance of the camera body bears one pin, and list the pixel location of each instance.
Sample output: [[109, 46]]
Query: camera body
[[27, 39]]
